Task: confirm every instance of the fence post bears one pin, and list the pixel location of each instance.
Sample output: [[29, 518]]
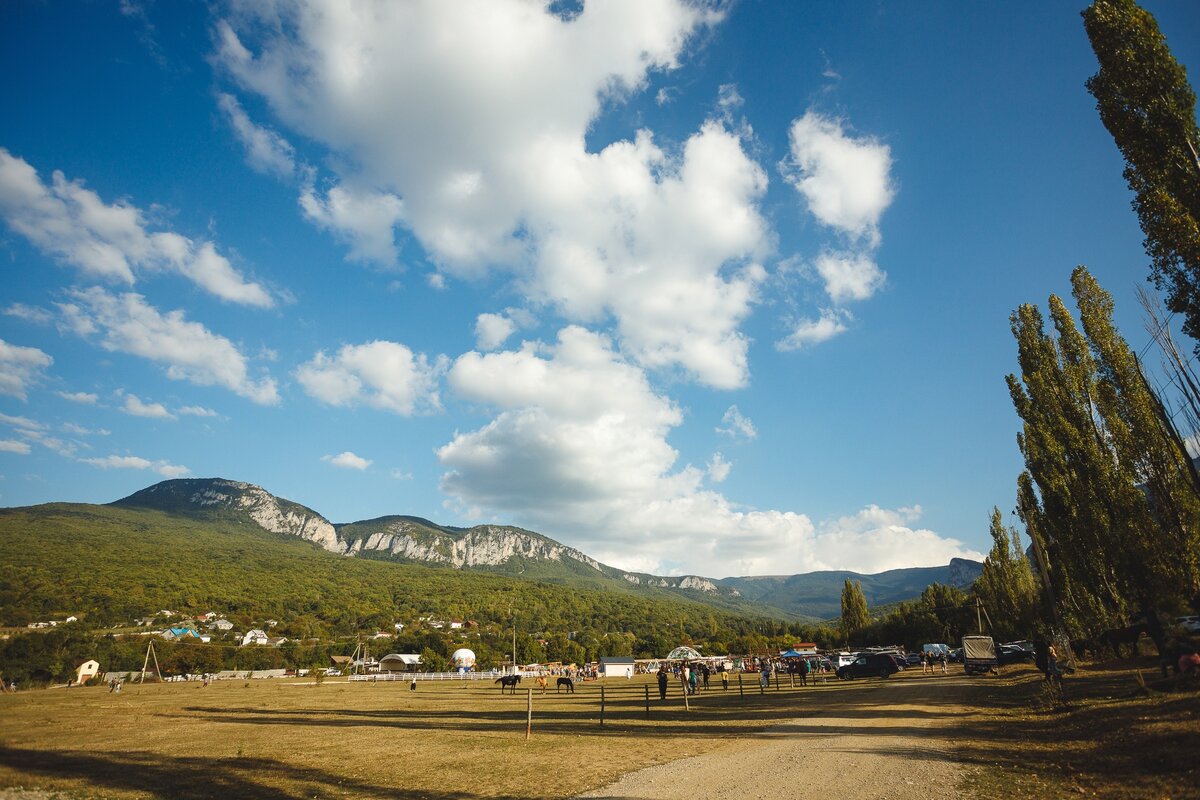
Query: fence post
[[741, 691], [601, 706], [529, 713], [647, 689], [777, 680], [685, 692], [792, 678]]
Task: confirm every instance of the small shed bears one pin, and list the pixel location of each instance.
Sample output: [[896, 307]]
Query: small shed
[[616, 667], [87, 670]]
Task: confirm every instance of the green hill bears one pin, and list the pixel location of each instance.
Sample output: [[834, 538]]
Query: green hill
[[111, 564]]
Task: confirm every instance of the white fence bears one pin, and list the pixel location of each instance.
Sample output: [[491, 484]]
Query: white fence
[[490, 675]]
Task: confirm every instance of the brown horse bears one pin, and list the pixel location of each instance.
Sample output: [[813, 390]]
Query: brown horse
[[541, 682]]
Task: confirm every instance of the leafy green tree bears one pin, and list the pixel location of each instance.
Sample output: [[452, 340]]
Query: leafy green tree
[[1147, 104], [1007, 586], [1106, 494], [854, 609]]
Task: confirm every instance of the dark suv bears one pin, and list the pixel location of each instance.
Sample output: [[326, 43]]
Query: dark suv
[[871, 665]]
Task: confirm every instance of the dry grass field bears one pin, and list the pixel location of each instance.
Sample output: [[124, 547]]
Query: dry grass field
[[291, 739]]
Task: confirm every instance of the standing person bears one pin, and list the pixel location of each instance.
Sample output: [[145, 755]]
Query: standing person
[[766, 674], [724, 679], [662, 682], [705, 672], [943, 659], [805, 668], [693, 678], [1051, 662], [925, 663]]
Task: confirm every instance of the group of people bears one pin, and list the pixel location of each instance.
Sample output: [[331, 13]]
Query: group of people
[[693, 677], [930, 660]]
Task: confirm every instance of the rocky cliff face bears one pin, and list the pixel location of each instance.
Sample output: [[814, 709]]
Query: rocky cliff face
[[481, 546], [218, 494]]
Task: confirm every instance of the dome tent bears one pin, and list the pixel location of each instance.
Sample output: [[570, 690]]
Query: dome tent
[[683, 651]]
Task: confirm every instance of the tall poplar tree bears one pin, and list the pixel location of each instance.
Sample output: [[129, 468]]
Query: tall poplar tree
[[1107, 492], [854, 608], [1006, 585], [1146, 103]]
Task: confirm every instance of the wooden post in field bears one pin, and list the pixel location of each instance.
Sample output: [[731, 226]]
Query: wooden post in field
[[529, 713], [601, 706], [792, 678], [647, 690], [683, 681], [741, 691]]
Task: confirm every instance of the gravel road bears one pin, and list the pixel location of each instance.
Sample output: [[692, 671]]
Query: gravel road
[[882, 737]]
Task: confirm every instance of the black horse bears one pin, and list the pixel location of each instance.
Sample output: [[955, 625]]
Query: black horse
[[567, 682], [508, 682]]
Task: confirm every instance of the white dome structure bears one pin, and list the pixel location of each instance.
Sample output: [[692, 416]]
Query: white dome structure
[[463, 659], [684, 652]]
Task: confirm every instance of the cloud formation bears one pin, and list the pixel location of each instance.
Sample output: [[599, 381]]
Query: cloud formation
[[20, 368], [126, 323], [135, 407], [111, 242], [164, 468], [379, 374], [578, 449], [348, 460], [466, 124]]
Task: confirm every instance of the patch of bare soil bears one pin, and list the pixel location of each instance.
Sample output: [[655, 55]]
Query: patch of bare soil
[[880, 738]]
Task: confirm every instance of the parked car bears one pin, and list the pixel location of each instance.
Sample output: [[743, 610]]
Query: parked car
[[955, 655], [879, 665], [1190, 623], [913, 659], [1011, 654]]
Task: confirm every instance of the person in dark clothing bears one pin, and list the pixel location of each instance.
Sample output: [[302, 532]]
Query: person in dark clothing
[[662, 683]]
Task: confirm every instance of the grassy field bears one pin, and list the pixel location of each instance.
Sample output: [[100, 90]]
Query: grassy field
[[1108, 737], [292, 739], [289, 739]]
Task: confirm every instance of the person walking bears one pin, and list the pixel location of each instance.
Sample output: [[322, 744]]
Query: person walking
[[804, 670], [662, 682], [944, 660], [924, 663], [693, 678]]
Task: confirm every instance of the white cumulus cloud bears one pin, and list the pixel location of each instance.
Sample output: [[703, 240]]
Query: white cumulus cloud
[[492, 330], [807, 332], [164, 468], [20, 368], [110, 241], [380, 374], [578, 449], [84, 398], [849, 276], [466, 123], [134, 406], [14, 446], [348, 460], [126, 323], [845, 181]]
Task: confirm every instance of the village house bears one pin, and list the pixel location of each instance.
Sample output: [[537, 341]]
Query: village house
[[173, 634], [399, 626], [221, 625], [277, 641], [87, 670], [616, 666], [255, 636]]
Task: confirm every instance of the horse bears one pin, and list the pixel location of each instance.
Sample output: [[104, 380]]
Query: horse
[[567, 682], [1123, 636], [509, 682], [541, 682]]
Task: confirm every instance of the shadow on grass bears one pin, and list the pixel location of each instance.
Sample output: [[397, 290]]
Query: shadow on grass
[[197, 778], [1107, 740]]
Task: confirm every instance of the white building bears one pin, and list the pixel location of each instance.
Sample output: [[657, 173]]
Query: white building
[[87, 670], [255, 636], [616, 666]]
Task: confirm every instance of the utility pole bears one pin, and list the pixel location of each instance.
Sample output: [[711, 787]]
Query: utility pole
[[514, 654]]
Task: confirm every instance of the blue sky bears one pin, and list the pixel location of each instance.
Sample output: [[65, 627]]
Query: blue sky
[[717, 290]]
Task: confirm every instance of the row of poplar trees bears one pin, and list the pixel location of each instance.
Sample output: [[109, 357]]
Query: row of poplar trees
[[1109, 495]]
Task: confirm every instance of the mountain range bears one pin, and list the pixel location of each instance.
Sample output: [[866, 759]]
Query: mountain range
[[515, 552]]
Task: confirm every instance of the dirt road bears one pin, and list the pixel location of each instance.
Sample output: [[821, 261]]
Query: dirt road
[[882, 737]]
